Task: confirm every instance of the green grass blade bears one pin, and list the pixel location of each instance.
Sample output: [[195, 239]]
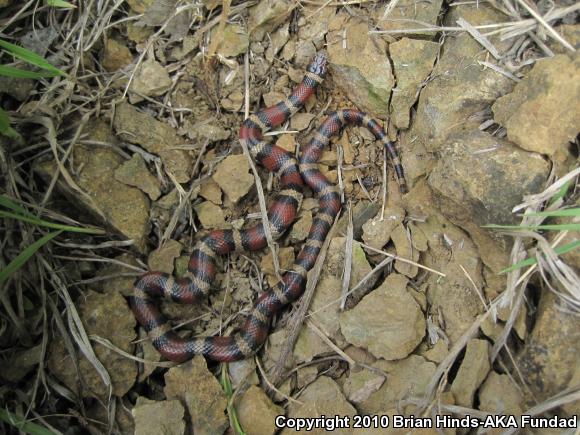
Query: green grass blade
[[47, 224], [60, 4], [25, 255], [29, 56], [9, 71], [554, 227], [227, 386], [6, 201], [5, 127], [561, 193], [567, 212], [532, 260], [22, 424]]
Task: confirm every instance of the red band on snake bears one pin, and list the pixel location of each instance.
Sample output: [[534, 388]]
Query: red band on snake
[[202, 264]]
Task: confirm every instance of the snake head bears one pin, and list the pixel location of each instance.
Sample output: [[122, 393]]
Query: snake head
[[319, 64]]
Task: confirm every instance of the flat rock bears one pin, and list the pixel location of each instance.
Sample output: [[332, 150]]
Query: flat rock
[[257, 413], [542, 113], [377, 231], [234, 41], [413, 60], [163, 258], [301, 121], [478, 180], [459, 86], [388, 321], [150, 80], [109, 317], [210, 216], [124, 208], [406, 15], [301, 227], [362, 212], [158, 417], [206, 402], [362, 70], [404, 248], [472, 371], [405, 378], [155, 136], [499, 394], [134, 173], [211, 191], [266, 16], [549, 359], [233, 177], [322, 397], [243, 372]]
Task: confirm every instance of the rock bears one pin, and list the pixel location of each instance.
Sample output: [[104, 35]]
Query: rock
[[150, 80], [377, 232], [360, 385], [322, 397], [405, 249], [305, 52], [413, 60], [405, 378], [361, 213], [315, 26], [233, 102], [478, 180], [301, 227], [542, 113], [210, 216], [499, 395], [211, 191], [18, 365], [438, 352], [162, 259], [257, 413], [134, 173], [123, 208], [206, 402], [109, 317], [407, 14], [158, 417], [266, 16], [234, 40], [140, 6], [301, 121], [156, 137], [361, 70], [243, 372], [277, 40], [473, 370], [360, 267], [459, 86], [287, 141], [232, 175], [285, 260], [388, 321], [208, 129], [549, 359], [116, 55]]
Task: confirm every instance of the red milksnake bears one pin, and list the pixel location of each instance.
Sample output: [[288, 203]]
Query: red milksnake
[[202, 264]]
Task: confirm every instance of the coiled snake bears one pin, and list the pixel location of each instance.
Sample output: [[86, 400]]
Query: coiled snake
[[202, 264]]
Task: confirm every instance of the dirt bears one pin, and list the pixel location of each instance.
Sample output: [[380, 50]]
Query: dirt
[[156, 163]]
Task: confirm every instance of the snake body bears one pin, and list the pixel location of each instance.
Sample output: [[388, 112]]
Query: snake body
[[195, 286]]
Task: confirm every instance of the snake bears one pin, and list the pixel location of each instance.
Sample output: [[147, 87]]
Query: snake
[[195, 285]]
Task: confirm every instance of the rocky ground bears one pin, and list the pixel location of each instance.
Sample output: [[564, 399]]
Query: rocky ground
[[409, 313]]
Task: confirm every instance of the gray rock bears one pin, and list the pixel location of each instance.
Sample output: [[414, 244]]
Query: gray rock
[[478, 180], [266, 16], [210, 216], [134, 173], [195, 385], [150, 80], [362, 70], [233, 177], [163, 258], [388, 321], [158, 417], [377, 231], [499, 394], [406, 15]]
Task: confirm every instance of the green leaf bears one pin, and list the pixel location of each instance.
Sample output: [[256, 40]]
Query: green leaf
[[23, 425], [60, 4], [532, 260], [566, 212], [29, 56], [10, 71], [47, 224], [6, 201], [561, 193], [555, 227], [25, 255], [5, 127]]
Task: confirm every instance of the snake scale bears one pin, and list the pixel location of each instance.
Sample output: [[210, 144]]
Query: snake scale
[[195, 286]]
